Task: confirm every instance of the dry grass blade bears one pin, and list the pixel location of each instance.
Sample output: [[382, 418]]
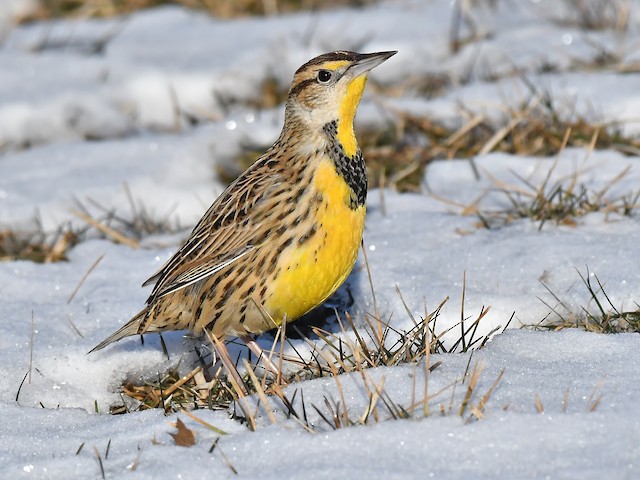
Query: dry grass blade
[[232, 371], [373, 293], [371, 404], [31, 340], [361, 344], [464, 130], [499, 136], [182, 381], [289, 409], [324, 418], [261, 394], [427, 368], [99, 458], [74, 327], [473, 381], [111, 233], [487, 395], [565, 401], [462, 319], [226, 460], [84, 277]]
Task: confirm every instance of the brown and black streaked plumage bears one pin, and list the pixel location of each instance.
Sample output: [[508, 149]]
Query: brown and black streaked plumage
[[285, 234]]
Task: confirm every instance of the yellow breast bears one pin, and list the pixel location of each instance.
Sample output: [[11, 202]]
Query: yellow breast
[[313, 271]]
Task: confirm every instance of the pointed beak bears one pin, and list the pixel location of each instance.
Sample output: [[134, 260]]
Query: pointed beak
[[367, 61]]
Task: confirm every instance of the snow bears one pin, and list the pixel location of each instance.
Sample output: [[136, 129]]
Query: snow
[[513, 441], [161, 115]]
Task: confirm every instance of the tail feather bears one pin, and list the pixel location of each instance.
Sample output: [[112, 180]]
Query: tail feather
[[132, 327]]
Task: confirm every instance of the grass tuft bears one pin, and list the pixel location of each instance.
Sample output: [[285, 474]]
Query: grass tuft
[[130, 228], [357, 346], [561, 202], [601, 316], [40, 246], [37, 246]]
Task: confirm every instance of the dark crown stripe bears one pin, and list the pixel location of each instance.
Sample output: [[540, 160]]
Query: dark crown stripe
[[331, 57]]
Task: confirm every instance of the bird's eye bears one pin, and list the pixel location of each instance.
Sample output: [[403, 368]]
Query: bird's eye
[[324, 76]]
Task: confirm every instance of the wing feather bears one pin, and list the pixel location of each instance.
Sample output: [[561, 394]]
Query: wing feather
[[225, 233], [199, 270]]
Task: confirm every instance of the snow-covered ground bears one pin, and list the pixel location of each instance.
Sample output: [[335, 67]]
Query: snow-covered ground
[[159, 102]]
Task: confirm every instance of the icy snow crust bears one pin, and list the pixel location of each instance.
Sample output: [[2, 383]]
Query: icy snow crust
[[57, 101]]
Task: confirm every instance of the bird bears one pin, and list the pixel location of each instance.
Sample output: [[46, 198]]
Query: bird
[[284, 235]]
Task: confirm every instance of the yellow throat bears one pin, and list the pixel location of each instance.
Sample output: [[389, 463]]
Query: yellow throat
[[347, 113]]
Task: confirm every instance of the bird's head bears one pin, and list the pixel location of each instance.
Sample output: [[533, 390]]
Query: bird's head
[[329, 87]]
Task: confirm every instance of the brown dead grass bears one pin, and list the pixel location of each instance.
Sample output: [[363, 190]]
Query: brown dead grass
[[36, 247], [217, 8]]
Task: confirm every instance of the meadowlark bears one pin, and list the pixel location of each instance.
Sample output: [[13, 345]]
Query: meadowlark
[[285, 234]]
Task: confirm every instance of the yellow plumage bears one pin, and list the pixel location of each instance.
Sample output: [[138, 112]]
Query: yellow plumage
[[315, 271], [346, 114]]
